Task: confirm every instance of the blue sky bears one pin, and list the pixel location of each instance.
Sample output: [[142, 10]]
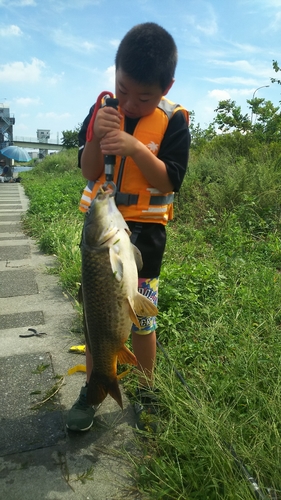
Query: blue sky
[[58, 55]]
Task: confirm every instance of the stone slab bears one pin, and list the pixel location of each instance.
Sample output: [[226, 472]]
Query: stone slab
[[10, 207], [9, 199], [9, 228], [10, 218], [14, 237], [8, 202], [17, 283], [24, 319], [14, 252], [24, 382]]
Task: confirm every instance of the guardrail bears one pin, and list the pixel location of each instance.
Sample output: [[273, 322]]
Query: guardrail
[[38, 145], [53, 140]]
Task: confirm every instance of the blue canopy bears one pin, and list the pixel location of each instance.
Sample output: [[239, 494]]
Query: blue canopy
[[15, 153]]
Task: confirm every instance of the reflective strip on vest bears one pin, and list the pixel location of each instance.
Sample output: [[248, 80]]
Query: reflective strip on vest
[[86, 198], [150, 213]]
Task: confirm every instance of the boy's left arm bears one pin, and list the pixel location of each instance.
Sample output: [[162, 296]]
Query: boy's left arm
[[123, 144], [156, 169]]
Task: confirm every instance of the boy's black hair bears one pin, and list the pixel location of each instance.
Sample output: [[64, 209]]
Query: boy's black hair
[[148, 54]]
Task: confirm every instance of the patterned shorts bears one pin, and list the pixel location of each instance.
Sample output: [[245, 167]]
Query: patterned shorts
[[149, 288]]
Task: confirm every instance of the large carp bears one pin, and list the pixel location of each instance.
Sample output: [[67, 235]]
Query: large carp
[[111, 301]]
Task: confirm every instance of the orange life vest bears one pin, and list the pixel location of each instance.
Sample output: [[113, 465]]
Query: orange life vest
[[136, 199]]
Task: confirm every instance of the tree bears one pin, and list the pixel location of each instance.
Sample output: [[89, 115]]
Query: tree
[[230, 118], [199, 136], [276, 68], [267, 124], [70, 138]]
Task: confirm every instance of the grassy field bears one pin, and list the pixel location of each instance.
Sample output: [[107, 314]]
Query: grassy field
[[219, 322]]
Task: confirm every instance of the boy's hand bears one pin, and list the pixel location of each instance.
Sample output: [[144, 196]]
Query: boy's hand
[[118, 142], [107, 120]]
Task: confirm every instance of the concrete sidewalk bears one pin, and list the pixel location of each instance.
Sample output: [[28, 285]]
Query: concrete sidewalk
[[38, 457]]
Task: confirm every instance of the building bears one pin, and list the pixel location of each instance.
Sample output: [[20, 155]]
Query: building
[[6, 126], [43, 135]]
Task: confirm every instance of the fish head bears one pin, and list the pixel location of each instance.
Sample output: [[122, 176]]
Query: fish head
[[103, 219]]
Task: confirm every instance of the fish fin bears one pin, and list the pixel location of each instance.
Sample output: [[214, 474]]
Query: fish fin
[[132, 314], [125, 356], [124, 374], [100, 386], [116, 264], [143, 306], [107, 233], [138, 257]]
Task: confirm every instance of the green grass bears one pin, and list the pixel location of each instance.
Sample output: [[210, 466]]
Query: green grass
[[219, 320]]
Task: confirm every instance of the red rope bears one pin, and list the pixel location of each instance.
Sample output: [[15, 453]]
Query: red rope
[[90, 129]]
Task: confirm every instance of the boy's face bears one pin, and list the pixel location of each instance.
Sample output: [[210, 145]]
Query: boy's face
[[135, 99]]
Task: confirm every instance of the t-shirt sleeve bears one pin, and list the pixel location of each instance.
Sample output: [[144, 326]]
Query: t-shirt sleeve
[[174, 149], [82, 134]]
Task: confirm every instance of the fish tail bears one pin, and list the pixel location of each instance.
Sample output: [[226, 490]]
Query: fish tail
[[100, 386]]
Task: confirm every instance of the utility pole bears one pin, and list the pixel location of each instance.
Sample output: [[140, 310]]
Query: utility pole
[[254, 93]]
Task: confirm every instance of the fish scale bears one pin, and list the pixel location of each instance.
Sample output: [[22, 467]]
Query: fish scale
[[102, 306]]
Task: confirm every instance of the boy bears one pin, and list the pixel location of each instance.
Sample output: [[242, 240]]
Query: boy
[[150, 137]]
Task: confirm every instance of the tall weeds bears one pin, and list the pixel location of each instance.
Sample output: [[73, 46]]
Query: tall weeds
[[219, 320]]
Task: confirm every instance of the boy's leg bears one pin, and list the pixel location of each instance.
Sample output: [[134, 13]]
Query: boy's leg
[[144, 347], [144, 338], [80, 417], [146, 405]]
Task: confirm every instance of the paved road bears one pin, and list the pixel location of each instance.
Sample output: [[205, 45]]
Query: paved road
[[39, 459]]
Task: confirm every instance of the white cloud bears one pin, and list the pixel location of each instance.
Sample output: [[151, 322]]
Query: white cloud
[[209, 28], [25, 3], [276, 23], [11, 30], [71, 42], [229, 93], [53, 80], [54, 116], [207, 24], [271, 3], [19, 3], [234, 80], [110, 76], [21, 72], [61, 5], [27, 101], [219, 95], [245, 47], [244, 66], [115, 43]]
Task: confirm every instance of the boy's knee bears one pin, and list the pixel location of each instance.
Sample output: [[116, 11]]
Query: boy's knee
[[147, 326]]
